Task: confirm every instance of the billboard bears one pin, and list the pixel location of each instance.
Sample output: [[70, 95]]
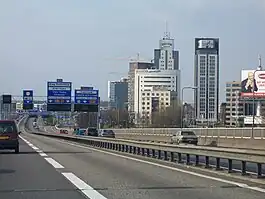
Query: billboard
[[253, 83]]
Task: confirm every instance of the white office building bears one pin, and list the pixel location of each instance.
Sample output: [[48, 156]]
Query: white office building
[[166, 58], [150, 80]]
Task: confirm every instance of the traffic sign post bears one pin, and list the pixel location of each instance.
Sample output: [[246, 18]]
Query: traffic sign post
[[59, 95], [27, 99], [86, 100]]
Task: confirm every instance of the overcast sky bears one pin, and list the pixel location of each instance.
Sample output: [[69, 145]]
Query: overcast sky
[[85, 41]]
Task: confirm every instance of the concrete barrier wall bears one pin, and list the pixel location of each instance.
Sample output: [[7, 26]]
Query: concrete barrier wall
[[219, 132]]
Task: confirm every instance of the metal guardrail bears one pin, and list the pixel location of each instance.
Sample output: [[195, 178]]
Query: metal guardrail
[[173, 153], [258, 133]]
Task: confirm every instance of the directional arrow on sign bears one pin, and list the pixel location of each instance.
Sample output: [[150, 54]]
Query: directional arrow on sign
[[67, 101], [50, 100], [84, 101]]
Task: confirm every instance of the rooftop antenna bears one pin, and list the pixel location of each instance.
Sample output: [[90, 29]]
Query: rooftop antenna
[[259, 66], [167, 33], [138, 56]]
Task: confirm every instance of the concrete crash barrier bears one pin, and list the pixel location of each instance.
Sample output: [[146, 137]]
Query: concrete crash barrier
[[219, 137], [174, 153]]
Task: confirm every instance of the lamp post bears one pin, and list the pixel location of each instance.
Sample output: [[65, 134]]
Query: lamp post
[[253, 97], [182, 108]]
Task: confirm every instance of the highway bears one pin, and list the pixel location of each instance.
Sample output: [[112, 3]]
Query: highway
[[250, 167], [50, 168]]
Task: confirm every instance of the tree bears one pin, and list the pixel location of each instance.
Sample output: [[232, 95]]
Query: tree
[[168, 116], [116, 118]]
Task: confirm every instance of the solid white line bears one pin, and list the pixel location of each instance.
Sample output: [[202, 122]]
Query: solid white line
[[83, 187], [169, 167], [55, 164]]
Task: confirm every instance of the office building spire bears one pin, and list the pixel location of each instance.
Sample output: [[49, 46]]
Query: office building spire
[[259, 66], [166, 33]]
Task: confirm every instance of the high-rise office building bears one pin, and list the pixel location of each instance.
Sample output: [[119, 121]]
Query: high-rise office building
[[234, 105], [166, 58], [118, 94], [131, 79], [206, 79]]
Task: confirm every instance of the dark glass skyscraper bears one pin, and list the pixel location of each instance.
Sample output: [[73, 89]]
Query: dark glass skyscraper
[[206, 79]]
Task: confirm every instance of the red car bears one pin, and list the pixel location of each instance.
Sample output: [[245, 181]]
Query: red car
[[9, 135], [63, 131]]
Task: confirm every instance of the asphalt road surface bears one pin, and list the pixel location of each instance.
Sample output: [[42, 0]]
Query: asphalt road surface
[[60, 169], [29, 176]]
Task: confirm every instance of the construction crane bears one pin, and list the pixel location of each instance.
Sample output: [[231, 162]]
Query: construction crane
[[131, 59]]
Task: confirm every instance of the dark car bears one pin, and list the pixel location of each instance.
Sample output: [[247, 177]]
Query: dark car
[[9, 135], [107, 133], [92, 131]]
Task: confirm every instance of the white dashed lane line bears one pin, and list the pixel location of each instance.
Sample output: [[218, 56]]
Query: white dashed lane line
[[86, 189], [55, 164]]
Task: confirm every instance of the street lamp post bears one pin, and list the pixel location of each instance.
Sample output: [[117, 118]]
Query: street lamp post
[[253, 103], [182, 108], [253, 97]]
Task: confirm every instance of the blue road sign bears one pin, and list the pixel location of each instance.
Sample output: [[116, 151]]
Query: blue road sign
[[89, 97], [59, 92], [27, 96]]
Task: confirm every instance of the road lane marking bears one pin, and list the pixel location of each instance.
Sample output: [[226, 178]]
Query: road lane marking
[[86, 189], [35, 148], [55, 164], [43, 154], [242, 185]]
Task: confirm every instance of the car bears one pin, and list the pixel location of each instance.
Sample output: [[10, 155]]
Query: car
[[92, 131], [106, 133], [185, 136], [63, 131], [9, 138]]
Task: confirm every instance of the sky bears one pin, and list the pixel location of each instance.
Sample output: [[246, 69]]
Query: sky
[[90, 42]]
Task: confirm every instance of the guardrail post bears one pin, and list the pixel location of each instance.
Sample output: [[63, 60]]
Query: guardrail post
[[179, 158], [123, 148], [259, 168], [217, 167], [153, 153], [207, 162], [165, 155], [130, 149], [116, 147], [127, 148], [148, 152], [134, 150], [243, 168], [138, 150], [143, 152], [230, 166], [188, 159], [172, 156], [159, 154], [197, 160]]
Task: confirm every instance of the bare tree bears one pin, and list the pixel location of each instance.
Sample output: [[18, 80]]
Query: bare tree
[[116, 118], [168, 116]]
